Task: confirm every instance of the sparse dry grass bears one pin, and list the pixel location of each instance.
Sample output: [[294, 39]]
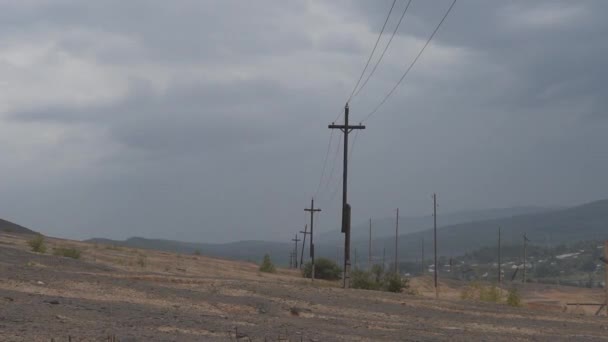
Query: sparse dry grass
[[234, 289]]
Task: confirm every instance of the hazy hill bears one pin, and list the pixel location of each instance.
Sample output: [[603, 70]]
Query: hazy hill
[[563, 226], [544, 228], [385, 227], [244, 250], [10, 227]]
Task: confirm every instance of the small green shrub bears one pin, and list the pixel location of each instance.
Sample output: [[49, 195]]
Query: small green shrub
[[394, 283], [141, 261], [377, 280], [37, 244], [377, 272], [513, 298], [67, 252], [489, 294], [324, 269], [469, 292], [197, 252], [267, 265], [360, 279]]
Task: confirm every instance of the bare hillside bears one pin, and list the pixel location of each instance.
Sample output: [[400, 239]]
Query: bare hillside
[[143, 295]]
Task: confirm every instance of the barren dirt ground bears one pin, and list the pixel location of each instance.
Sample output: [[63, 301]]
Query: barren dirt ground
[[141, 295]]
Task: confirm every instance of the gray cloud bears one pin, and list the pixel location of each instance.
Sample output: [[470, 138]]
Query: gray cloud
[[207, 121]]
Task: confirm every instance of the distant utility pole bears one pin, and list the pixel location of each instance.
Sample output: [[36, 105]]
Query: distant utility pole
[[356, 267], [451, 264], [312, 211], [383, 258], [337, 255], [499, 262], [422, 258], [397, 243], [606, 276], [305, 232], [525, 256], [435, 242], [346, 128], [369, 248], [296, 240]]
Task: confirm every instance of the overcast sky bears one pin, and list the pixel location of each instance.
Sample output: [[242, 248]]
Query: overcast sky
[[207, 120]]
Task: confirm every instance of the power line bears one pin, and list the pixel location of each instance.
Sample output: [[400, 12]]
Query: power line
[[352, 147], [325, 159], [331, 135], [385, 49], [355, 89], [333, 166], [357, 85], [412, 64], [373, 50]]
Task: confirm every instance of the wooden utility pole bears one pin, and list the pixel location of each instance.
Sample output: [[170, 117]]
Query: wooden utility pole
[[499, 261], [606, 276], [525, 257], [305, 232], [356, 267], [451, 264], [435, 242], [369, 248], [397, 243], [422, 257], [346, 128], [383, 258], [312, 211], [296, 240]]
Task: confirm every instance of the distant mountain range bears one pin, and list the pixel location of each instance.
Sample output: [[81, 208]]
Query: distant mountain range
[[385, 227], [547, 227], [551, 228], [10, 227]]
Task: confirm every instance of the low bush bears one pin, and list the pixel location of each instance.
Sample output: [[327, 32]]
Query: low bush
[[267, 265], [363, 280], [489, 294], [141, 261], [324, 269], [394, 283], [67, 252], [513, 298], [376, 279], [470, 292], [37, 244], [476, 291]]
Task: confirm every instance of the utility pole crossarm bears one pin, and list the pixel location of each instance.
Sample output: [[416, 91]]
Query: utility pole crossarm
[[343, 127]]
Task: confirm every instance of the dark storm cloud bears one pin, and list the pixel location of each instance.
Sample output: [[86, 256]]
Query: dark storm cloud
[[548, 46], [221, 132]]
